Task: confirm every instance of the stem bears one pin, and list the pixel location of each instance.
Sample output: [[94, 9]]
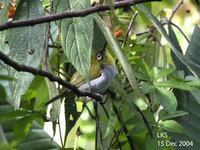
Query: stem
[[98, 129], [129, 138], [117, 139], [46, 50], [60, 134], [176, 9], [129, 28], [69, 14]]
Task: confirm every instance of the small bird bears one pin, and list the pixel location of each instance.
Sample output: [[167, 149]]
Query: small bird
[[101, 73]]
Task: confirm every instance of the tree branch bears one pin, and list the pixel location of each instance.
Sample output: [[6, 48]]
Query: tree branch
[[69, 14], [178, 6], [51, 77]]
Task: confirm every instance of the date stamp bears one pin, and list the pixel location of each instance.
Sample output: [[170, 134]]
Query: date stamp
[[164, 142], [175, 144]]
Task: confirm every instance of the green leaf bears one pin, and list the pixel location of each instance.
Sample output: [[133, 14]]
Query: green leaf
[[71, 114], [2, 94], [191, 121], [171, 126], [195, 92], [22, 127], [190, 101], [163, 115], [147, 87], [99, 39], [111, 122], [37, 138], [187, 62], [194, 83], [172, 36], [38, 92], [3, 18], [152, 50], [192, 51], [104, 121], [153, 73], [174, 84], [129, 103], [13, 114], [120, 55], [163, 73], [152, 143], [139, 128], [132, 120], [55, 109], [26, 46], [77, 35], [166, 99], [4, 77], [142, 15]]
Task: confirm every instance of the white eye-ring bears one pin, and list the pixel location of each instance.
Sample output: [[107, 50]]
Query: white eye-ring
[[99, 56]]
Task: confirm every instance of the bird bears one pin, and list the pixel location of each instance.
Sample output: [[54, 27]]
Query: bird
[[101, 73]]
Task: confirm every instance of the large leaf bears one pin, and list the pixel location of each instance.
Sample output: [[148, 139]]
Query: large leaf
[[190, 101], [36, 139], [26, 45], [105, 124], [174, 84], [166, 99], [190, 122], [120, 55], [187, 62], [171, 126], [99, 39], [111, 122], [193, 52], [130, 104], [179, 65], [185, 100], [22, 127], [77, 35], [71, 114], [3, 18]]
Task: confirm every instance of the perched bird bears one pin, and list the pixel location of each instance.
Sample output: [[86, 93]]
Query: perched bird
[[102, 71]]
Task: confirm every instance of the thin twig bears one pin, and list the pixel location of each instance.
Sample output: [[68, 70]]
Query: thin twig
[[60, 133], [112, 143], [129, 28], [176, 9], [90, 113], [69, 14], [180, 31], [163, 23], [60, 73], [98, 129], [129, 138], [46, 50], [55, 46]]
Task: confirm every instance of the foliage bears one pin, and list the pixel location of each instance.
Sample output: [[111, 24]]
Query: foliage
[[152, 103]]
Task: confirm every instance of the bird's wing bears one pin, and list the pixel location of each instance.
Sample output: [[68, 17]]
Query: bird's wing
[[77, 79]]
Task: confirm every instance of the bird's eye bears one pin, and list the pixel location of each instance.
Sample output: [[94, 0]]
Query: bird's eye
[[99, 56]]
